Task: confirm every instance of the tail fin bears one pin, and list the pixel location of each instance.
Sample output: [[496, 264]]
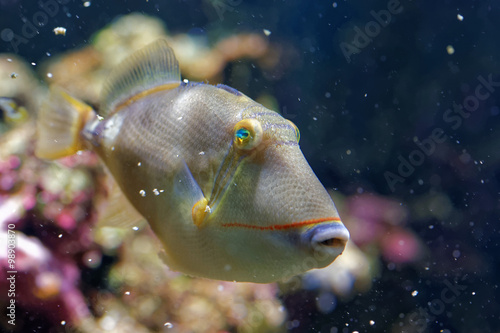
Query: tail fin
[[60, 121]]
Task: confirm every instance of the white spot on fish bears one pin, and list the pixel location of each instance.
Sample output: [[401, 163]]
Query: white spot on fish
[[139, 164], [112, 128], [201, 153], [168, 325], [127, 293], [49, 75], [156, 192], [63, 322], [135, 228], [179, 118], [142, 193]]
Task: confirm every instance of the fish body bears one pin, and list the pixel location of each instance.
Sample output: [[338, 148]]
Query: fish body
[[220, 178]]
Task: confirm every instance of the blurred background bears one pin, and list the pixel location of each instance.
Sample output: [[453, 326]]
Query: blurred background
[[397, 104]]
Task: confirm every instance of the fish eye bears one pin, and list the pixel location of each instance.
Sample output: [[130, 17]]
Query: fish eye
[[297, 132], [247, 134]]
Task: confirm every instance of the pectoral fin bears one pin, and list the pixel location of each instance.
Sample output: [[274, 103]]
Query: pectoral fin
[[189, 193]]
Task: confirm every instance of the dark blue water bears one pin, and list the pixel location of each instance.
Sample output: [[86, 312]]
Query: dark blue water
[[396, 99]]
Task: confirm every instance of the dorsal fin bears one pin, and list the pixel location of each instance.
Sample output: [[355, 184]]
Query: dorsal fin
[[150, 69]]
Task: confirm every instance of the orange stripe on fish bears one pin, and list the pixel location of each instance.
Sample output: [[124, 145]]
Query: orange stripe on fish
[[142, 94], [282, 226]]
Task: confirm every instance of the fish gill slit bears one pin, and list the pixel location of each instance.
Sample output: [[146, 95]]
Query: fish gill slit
[[222, 174], [235, 161]]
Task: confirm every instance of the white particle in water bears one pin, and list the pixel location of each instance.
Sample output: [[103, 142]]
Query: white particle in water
[[142, 193], [372, 322], [201, 153], [156, 192], [456, 254], [63, 322], [60, 236], [49, 75], [59, 31], [460, 17], [267, 32], [473, 293], [135, 228], [127, 293], [414, 293], [87, 4], [139, 164]]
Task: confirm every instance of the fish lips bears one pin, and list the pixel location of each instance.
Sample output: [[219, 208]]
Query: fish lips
[[329, 238]]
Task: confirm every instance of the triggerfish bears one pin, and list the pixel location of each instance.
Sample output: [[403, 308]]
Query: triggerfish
[[220, 179]]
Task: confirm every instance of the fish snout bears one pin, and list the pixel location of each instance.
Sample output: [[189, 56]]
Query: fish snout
[[327, 237]]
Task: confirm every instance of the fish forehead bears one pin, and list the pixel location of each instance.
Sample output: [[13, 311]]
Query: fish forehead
[[276, 128]]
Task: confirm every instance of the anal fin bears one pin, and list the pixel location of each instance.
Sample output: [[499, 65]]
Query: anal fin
[[117, 211]]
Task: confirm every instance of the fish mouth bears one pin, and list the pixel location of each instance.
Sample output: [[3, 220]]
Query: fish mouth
[[327, 237]]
